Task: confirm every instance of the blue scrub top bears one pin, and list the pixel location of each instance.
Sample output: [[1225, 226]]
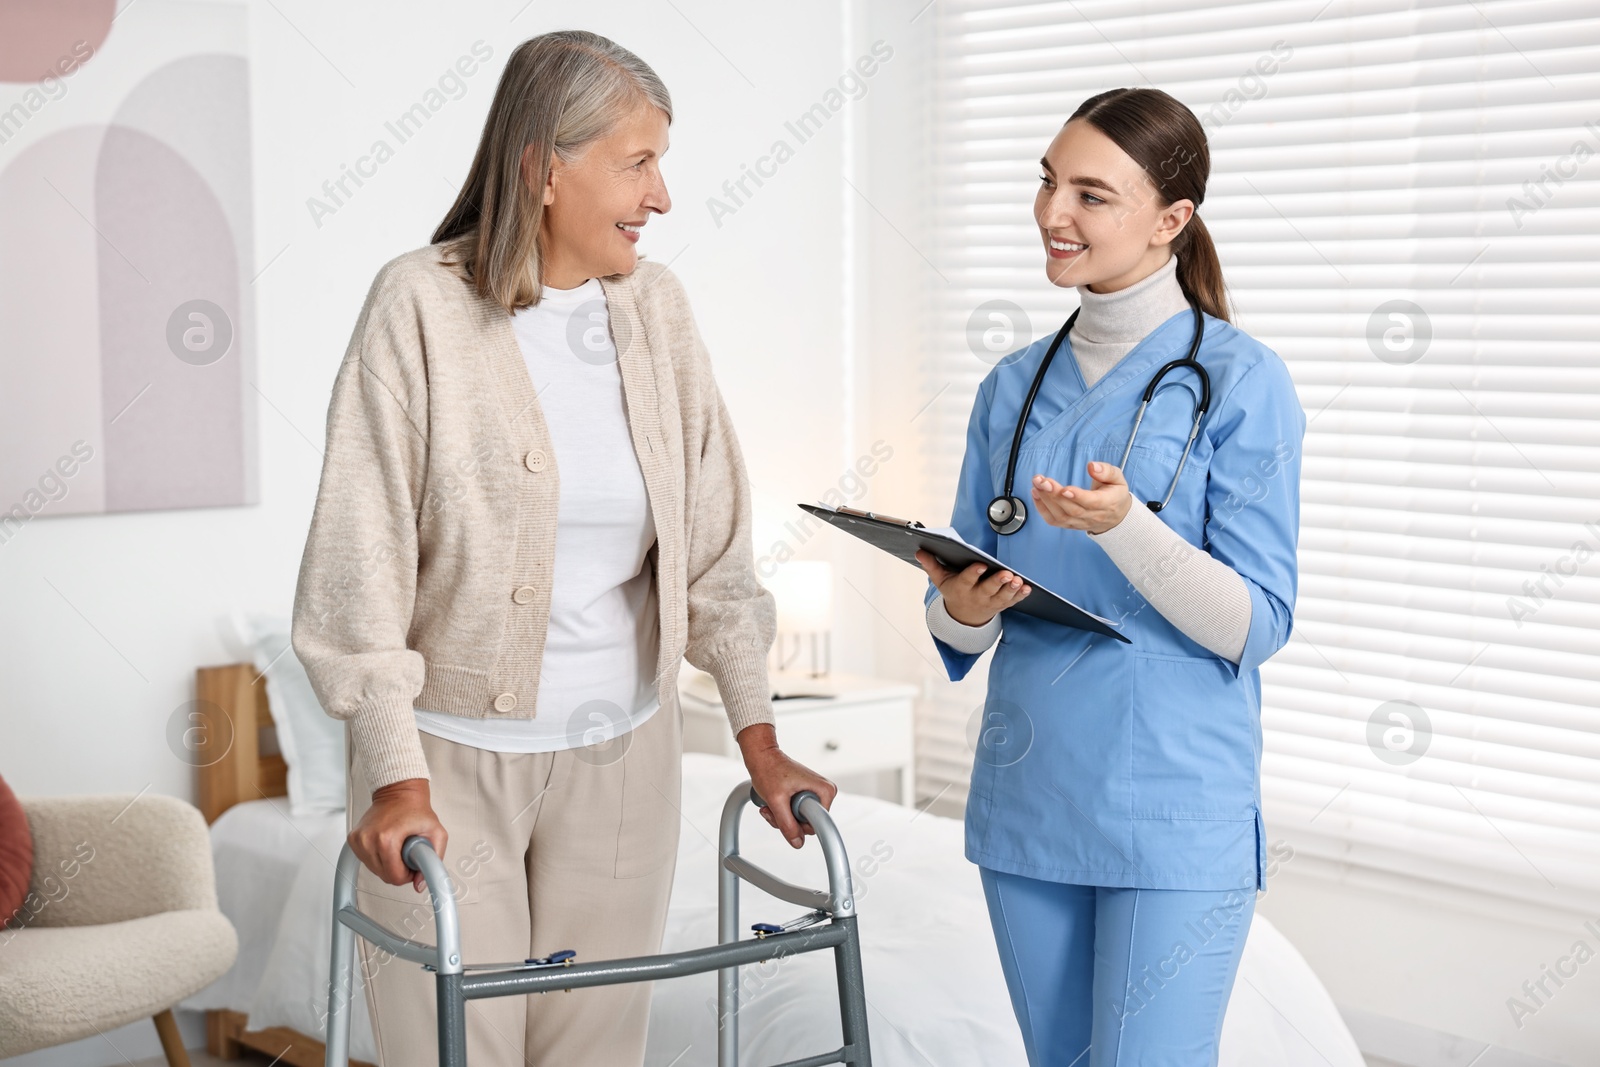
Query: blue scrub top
[[1104, 763]]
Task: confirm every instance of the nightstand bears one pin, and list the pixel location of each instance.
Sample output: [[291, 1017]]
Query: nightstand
[[838, 725]]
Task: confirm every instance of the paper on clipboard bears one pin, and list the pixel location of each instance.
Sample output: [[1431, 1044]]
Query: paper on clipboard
[[902, 538]]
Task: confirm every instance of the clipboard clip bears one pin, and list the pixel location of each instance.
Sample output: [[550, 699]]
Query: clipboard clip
[[911, 524]]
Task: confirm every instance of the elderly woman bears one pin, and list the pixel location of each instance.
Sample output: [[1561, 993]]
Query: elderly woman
[[532, 508]]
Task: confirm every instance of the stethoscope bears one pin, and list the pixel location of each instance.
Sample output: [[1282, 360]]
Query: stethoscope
[[1007, 512]]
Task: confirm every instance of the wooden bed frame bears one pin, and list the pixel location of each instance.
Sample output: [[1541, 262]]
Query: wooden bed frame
[[238, 698]]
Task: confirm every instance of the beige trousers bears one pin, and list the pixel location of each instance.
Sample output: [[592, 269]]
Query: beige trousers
[[549, 850]]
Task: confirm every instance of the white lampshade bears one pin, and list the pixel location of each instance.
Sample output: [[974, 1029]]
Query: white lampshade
[[804, 592]]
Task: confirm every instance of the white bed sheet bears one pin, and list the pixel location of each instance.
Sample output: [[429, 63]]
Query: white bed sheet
[[258, 847], [935, 991]]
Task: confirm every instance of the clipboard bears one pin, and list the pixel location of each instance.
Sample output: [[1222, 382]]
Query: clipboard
[[902, 538]]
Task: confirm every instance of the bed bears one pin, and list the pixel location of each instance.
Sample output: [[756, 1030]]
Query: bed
[[934, 986]]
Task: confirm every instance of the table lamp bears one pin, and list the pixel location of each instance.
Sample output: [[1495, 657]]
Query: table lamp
[[804, 592]]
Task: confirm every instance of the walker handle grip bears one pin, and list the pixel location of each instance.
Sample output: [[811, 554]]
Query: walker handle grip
[[409, 847], [794, 802]]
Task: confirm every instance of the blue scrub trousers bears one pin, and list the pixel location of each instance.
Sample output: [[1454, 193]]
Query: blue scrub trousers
[[1105, 976]]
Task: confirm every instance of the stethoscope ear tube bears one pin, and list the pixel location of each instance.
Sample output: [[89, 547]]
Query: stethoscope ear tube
[[1007, 512]]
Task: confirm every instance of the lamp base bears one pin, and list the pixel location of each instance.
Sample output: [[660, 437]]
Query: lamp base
[[787, 649]]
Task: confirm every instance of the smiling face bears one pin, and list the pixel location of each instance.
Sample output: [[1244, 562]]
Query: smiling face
[[595, 205], [1092, 193]]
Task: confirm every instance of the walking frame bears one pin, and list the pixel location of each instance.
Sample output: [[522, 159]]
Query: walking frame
[[458, 982]]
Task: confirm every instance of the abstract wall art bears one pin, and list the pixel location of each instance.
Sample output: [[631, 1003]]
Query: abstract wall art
[[127, 325]]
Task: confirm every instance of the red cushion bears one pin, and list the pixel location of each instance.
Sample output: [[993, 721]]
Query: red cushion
[[16, 854]]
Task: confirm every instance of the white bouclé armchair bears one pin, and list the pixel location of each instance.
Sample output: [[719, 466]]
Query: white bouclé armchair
[[120, 923]]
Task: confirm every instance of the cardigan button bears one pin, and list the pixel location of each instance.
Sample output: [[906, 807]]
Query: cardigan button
[[535, 460], [523, 595], [505, 702]]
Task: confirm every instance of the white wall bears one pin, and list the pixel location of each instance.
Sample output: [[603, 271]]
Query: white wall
[[1410, 968]]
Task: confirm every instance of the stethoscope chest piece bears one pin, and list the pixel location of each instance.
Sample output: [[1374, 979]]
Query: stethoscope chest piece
[[1007, 514]]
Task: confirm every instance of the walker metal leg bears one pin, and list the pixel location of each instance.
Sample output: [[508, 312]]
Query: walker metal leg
[[341, 964], [452, 1021], [852, 997], [728, 932], [838, 901]]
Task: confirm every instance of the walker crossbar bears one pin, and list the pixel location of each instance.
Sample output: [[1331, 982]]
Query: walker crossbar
[[455, 986], [649, 968]]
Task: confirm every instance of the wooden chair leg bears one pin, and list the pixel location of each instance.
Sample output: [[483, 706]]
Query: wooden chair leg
[[171, 1040]]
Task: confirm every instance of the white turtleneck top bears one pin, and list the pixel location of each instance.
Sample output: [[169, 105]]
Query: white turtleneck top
[[1206, 599]]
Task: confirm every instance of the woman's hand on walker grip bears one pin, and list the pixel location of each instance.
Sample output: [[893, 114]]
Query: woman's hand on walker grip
[[399, 810], [969, 597], [1095, 510], [775, 778]]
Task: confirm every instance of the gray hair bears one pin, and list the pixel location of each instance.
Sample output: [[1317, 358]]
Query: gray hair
[[560, 92]]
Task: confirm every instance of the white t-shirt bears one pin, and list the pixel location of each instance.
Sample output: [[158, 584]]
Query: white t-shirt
[[597, 675]]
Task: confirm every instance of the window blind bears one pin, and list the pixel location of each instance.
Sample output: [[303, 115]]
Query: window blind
[[1406, 208]]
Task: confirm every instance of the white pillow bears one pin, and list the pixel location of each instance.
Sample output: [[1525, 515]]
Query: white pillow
[[312, 741]]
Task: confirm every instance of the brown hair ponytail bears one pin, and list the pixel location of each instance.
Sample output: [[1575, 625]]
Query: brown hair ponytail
[[1163, 136]]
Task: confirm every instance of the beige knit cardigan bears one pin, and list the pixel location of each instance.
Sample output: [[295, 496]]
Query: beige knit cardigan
[[428, 566]]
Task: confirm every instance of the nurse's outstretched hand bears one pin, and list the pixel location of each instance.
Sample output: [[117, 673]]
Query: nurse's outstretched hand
[[1096, 509], [969, 597]]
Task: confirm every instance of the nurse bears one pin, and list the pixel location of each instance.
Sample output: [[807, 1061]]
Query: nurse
[[1115, 805]]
